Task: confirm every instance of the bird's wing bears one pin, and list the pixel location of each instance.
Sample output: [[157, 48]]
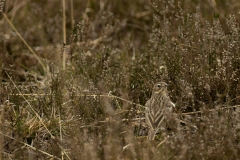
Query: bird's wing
[[172, 104], [154, 117], [169, 103], [148, 114]]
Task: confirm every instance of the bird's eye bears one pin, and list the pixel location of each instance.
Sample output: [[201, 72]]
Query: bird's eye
[[159, 85]]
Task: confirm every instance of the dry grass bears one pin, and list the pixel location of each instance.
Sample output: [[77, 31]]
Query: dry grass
[[74, 87]]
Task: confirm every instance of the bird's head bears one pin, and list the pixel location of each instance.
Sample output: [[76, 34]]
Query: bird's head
[[160, 87]]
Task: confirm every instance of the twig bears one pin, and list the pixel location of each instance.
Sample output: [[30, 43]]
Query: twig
[[35, 112], [33, 148], [125, 100], [163, 141], [64, 34], [84, 95], [210, 110], [23, 40], [37, 115], [123, 120]]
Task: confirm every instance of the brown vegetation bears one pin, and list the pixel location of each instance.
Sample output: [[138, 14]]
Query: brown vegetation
[[88, 104]]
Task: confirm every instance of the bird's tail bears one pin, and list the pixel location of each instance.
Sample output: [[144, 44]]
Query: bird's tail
[[151, 135]]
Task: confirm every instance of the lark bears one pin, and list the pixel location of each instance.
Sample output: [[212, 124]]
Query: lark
[[158, 108]]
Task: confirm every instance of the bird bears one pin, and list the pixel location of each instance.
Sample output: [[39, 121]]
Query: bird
[[157, 108]]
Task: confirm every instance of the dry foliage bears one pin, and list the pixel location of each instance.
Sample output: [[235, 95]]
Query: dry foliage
[[116, 50]]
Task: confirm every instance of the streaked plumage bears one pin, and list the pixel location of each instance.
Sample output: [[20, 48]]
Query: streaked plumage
[[158, 107]]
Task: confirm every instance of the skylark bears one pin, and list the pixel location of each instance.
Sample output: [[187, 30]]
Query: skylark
[[157, 108]]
